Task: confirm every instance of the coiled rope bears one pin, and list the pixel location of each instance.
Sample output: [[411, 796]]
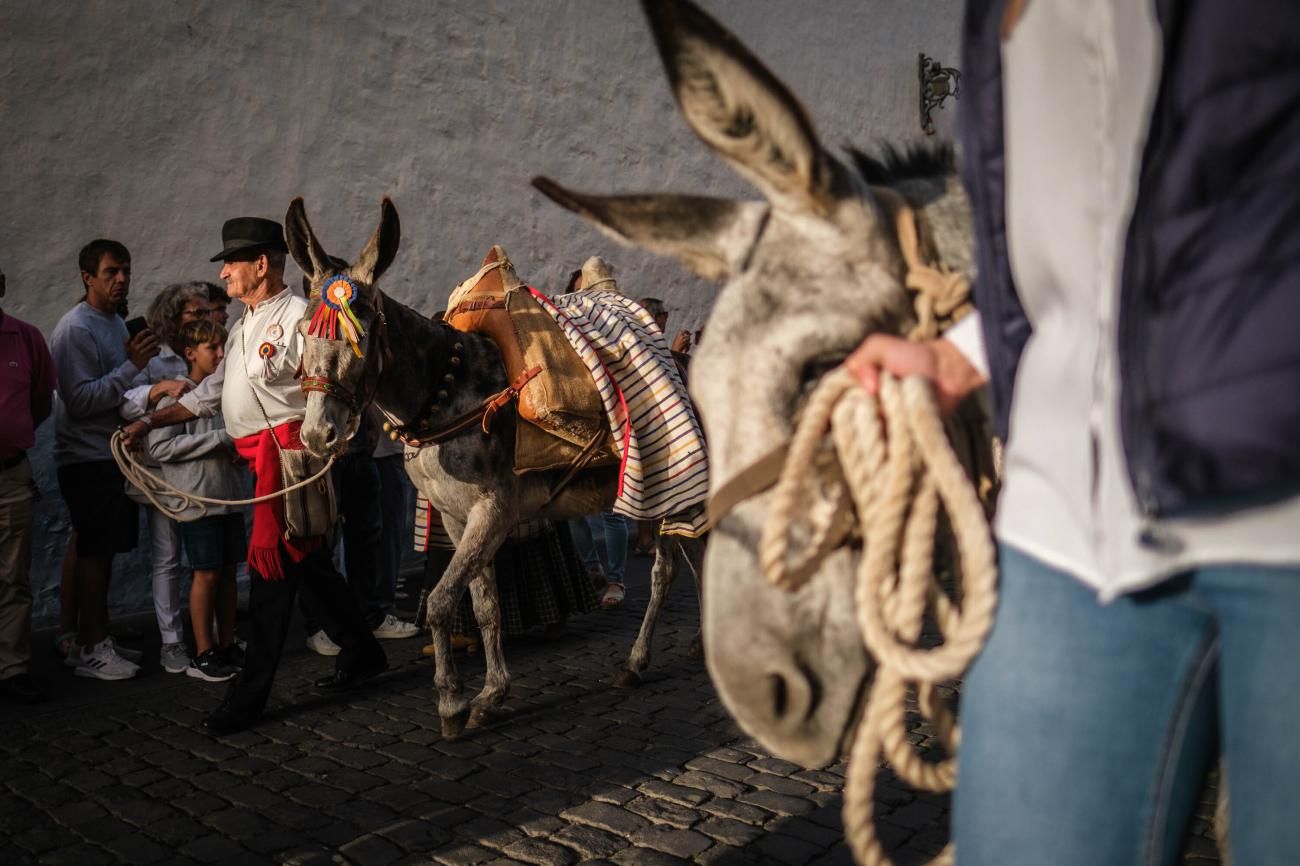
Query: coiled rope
[[153, 487], [891, 459]]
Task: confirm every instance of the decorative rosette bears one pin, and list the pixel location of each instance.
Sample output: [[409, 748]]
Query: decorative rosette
[[334, 315], [266, 352]]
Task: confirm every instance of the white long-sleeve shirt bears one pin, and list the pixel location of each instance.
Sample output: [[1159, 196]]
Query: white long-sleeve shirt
[[241, 379], [165, 365], [1079, 80]]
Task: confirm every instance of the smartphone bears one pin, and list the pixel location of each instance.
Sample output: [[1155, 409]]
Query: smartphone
[[135, 326]]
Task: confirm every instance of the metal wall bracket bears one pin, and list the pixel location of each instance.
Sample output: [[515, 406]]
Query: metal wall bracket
[[938, 82]]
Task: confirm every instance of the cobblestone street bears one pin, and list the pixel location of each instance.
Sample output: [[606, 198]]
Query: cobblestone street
[[582, 773]]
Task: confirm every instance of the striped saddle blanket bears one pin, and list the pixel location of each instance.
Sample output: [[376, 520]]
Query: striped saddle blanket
[[665, 467]]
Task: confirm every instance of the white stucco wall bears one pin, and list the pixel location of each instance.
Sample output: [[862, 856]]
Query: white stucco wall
[[153, 122]]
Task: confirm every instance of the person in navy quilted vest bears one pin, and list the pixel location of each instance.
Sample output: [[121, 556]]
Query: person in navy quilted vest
[[1133, 171]]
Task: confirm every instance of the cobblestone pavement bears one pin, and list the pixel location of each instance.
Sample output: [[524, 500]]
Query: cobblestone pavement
[[582, 773]]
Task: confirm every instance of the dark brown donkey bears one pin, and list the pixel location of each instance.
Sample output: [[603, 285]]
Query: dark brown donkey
[[426, 376]]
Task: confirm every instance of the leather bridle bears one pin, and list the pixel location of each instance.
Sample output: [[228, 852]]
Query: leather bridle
[[372, 368], [941, 298]]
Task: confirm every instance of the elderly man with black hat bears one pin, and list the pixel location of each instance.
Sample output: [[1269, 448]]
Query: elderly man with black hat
[[256, 391]]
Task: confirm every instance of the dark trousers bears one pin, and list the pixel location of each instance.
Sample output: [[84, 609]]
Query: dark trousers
[[270, 607], [397, 508], [356, 479]]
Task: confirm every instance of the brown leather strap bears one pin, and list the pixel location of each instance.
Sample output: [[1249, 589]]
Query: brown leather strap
[[579, 462], [330, 387], [474, 305], [481, 414], [750, 481], [496, 403]]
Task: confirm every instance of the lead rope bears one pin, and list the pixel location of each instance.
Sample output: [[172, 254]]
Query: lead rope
[[896, 483], [153, 487]]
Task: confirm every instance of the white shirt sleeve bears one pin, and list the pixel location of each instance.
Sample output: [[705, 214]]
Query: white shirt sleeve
[[135, 402], [204, 399], [968, 336]]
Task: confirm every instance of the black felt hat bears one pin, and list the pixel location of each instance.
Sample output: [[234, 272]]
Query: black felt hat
[[249, 234]]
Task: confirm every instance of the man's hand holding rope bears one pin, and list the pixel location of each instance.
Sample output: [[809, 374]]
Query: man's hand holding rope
[[937, 361], [898, 469], [134, 434]]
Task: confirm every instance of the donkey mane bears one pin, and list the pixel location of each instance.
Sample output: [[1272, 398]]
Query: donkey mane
[[911, 162]]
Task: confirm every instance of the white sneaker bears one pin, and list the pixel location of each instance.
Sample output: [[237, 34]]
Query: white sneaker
[[321, 644], [393, 628], [175, 657], [131, 655], [103, 663]]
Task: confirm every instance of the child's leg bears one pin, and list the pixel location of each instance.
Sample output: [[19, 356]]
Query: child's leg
[[202, 598]]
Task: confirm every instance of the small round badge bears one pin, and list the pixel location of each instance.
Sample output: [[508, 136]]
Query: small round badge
[[274, 331]]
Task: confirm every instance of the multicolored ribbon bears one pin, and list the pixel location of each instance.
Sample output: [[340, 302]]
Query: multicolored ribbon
[[266, 352], [335, 316]]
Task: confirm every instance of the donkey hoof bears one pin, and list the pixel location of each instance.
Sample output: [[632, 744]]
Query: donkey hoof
[[626, 679], [482, 716], [453, 726], [696, 649]]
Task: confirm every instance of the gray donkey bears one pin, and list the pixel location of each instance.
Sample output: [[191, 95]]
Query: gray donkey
[[809, 272], [425, 376]]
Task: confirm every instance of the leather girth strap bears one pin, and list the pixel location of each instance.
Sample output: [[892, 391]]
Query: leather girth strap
[[480, 415]]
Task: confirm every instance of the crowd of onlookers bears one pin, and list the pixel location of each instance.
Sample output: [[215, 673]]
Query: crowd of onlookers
[[208, 418], [108, 369]]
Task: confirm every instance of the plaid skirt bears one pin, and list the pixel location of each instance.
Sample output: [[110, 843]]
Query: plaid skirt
[[540, 581]]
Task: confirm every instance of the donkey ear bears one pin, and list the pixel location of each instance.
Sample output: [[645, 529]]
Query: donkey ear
[[711, 236], [739, 108], [382, 247], [301, 240]]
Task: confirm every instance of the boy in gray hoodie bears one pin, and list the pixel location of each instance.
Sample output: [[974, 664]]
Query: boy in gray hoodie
[[198, 457]]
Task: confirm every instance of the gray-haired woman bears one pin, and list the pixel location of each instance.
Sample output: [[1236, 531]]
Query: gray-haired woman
[[173, 308]]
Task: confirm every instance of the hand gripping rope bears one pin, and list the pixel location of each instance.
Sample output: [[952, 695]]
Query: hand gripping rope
[[891, 459], [154, 487]]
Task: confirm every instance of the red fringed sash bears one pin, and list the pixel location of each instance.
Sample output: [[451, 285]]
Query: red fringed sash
[[259, 450]]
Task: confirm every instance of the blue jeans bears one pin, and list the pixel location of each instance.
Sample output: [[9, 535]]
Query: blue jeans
[[1087, 728], [613, 528]]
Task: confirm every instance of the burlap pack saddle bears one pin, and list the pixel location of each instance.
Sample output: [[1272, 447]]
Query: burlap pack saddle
[[563, 423]]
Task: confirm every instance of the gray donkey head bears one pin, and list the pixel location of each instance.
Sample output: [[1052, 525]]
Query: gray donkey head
[[343, 328], [808, 272]]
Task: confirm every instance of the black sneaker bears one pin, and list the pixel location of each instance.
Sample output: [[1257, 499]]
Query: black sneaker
[[210, 666], [233, 655]]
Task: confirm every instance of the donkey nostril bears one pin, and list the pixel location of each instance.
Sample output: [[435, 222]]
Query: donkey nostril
[[780, 695], [793, 695]]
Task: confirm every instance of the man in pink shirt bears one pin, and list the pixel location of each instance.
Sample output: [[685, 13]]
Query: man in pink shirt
[[26, 391]]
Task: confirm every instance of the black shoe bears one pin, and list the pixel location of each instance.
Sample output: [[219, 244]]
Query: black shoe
[[341, 680], [224, 720], [211, 666], [22, 689]]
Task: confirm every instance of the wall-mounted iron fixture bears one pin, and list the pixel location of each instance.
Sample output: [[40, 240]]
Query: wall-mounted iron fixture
[[938, 82]]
